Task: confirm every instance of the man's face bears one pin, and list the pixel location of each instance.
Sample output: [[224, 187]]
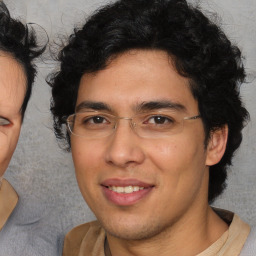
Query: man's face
[[12, 88], [171, 171]]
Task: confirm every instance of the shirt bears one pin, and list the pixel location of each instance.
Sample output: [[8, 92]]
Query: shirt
[[26, 230]]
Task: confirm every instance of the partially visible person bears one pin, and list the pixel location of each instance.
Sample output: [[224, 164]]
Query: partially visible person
[[19, 47], [149, 93]]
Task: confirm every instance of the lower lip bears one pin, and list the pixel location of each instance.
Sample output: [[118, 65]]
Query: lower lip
[[123, 199]]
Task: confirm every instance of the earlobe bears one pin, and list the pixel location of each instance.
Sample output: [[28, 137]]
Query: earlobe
[[217, 145]]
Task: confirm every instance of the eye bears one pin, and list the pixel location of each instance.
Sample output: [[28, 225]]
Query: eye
[[4, 121], [158, 120], [95, 120], [92, 122]]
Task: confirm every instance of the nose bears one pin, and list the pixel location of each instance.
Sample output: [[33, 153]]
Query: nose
[[124, 147]]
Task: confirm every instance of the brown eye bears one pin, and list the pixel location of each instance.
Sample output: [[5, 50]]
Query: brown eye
[[94, 120], [159, 120], [97, 120]]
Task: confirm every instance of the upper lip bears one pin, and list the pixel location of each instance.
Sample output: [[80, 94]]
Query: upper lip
[[125, 182]]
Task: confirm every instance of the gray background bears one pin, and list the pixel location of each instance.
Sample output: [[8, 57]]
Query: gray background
[[43, 174]]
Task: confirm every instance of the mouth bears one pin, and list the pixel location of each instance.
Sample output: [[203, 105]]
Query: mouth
[[126, 189], [125, 192]]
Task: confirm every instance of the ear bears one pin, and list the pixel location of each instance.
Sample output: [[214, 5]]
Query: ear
[[217, 145]]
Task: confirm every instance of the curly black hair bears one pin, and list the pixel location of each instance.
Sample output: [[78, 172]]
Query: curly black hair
[[20, 42], [200, 50]]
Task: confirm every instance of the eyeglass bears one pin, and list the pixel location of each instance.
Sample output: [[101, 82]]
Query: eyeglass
[[95, 124]]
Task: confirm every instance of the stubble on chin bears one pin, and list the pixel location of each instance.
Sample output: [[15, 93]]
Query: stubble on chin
[[135, 232]]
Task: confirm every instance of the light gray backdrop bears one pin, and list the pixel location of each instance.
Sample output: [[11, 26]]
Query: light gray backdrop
[[44, 176]]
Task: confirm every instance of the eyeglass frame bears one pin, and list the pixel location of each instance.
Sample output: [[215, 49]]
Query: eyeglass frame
[[132, 124]]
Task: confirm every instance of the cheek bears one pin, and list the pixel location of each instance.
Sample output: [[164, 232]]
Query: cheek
[[181, 172], [180, 160], [169, 155], [87, 161], [86, 157], [7, 146]]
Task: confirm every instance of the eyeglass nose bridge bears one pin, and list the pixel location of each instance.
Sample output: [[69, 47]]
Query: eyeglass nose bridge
[[130, 119]]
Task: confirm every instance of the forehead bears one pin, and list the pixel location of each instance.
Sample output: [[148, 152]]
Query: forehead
[[135, 77], [12, 84]]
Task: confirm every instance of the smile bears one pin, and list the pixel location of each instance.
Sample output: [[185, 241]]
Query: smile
[[126, 192], [126, 189]]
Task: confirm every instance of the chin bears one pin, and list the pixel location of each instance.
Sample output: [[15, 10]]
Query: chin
[[132, 231]]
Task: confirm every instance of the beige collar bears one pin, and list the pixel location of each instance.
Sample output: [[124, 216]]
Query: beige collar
[[8, 201]]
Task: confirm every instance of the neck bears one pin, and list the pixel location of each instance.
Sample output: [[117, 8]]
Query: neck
[[199, 233], [8, 201]]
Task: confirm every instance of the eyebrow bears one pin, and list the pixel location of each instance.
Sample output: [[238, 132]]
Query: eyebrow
[[144, 106], [161, 104], [93, 105]]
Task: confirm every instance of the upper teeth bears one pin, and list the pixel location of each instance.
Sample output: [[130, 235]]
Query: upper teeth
[[126, 190]]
